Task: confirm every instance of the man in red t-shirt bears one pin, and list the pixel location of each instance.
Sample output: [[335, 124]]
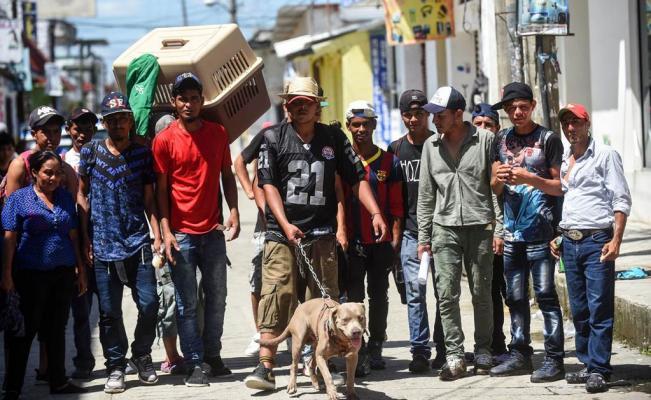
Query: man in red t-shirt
[[189, 158]]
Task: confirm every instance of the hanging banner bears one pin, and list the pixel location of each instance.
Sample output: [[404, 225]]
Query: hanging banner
[[416, 21], [11, 44], [380, 88], [53, 83], [541, 17], [57, 9]]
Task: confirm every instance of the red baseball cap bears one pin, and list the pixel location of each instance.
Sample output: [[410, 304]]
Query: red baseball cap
[[575, 108], [294, 98]]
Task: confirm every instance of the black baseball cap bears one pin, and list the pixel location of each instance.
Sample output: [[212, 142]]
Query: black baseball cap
[[512, 91], [410, 98], [485, 110], [82, 113], [186, 80], [115, 102], [42, 115], [445, 98]]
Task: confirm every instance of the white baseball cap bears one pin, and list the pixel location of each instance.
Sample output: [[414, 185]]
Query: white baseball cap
[[360, 108]]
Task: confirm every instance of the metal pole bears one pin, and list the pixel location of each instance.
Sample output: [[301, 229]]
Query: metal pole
[[184, 13], [542, 81], [51, 38], [423, 65], [232, 10]]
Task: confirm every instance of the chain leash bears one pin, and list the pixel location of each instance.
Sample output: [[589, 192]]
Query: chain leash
[[300, 251]]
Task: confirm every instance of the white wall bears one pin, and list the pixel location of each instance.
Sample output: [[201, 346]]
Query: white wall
[[614, 77], [574, 81], [460, 56]]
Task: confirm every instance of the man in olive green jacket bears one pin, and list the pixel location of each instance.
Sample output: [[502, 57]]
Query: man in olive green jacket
[[456, 215]]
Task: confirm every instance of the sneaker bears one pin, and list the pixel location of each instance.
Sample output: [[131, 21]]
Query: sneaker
[[574, 378], [254, 346], [196, 378], [69, 388], [483, 363], [176, 367], [439, 361], [82, 373], [217, 367], [596, 383], [419, 364], [307, 369], [500, 358], [551, 370], [146, 370], [363, 363], [454, 368], [262, 378], [115, 382], [130, 368], [516, 364], [375, 356]]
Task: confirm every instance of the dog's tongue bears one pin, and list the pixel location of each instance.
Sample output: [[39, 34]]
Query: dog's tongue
[[356, 342]]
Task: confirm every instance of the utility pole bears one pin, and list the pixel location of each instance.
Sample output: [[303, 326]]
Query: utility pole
[[184, 12], [545, 61], [232, 10], [510, 67]]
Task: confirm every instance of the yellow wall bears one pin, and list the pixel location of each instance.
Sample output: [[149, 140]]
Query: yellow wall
[[344, 65]]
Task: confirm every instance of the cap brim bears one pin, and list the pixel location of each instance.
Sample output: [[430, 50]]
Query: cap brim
[[48, 118], [500, 105], [88, 114], [104, 114], [433, 108]]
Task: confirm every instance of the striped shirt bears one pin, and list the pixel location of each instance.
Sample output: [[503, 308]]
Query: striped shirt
[[384, 174]]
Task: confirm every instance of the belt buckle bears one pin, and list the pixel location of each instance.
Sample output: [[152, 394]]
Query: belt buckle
[[574, 234]]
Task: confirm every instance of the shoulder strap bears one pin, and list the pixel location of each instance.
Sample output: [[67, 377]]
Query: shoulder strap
[[28, 176], [398, 145]]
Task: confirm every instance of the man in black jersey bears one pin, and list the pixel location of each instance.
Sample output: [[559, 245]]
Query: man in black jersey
[[297, 165]]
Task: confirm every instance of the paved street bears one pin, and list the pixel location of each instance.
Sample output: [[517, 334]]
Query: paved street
[[394, 383]]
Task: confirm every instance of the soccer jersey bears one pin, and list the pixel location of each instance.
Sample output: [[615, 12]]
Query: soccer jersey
[[304, 174], [384, 175], [529, 213]]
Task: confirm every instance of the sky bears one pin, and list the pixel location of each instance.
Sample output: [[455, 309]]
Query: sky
[[123, 22]]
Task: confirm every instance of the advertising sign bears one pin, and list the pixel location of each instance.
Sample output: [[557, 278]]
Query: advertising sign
[[11, 44], [416, 21], [380, 88], [53, 83], [57, 9], [543, 17]]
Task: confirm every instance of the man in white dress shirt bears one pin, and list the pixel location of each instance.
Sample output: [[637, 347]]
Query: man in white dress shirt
[[597, 203]]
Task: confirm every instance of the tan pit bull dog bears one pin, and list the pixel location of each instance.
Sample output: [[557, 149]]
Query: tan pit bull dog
[[333, 329]]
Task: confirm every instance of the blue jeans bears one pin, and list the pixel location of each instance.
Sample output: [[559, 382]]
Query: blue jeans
[[207, 252], [139, 276], [520, 259], [81, 307], [591, 289], [417, 301]]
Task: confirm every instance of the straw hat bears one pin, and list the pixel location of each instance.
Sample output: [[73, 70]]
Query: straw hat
[[303, 87]]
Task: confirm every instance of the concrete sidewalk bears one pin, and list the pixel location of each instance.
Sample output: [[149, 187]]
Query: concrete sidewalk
[[393, 383]]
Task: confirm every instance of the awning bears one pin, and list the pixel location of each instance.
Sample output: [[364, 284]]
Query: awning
[[301, 45]]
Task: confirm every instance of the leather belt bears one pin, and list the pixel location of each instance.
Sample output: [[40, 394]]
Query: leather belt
[[580, 234]]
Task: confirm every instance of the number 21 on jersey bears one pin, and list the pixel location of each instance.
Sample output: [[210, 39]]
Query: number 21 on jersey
[[295, 186]]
